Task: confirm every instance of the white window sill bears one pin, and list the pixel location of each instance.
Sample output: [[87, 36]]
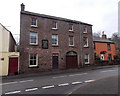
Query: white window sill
[[71, 30], [54, 45], [86, 46], [32, 66], [33, 44], [84, 32], [86, 62], [35, 26], [54, 28], [71, 45]]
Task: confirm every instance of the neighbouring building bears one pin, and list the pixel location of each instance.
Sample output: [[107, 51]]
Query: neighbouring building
[[8, 55], [104, 48], [49, 42]]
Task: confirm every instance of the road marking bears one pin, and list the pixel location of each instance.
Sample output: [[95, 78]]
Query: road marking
[[33, 89], [107, 70], [78, 74], [8, 83], [76, 83], [88, 81], [65, 84], [46, 87], [13, 92], [26, 81], [59, 77]]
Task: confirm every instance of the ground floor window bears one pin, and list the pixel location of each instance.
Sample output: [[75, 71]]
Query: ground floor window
[[33, 60], [86, 58], [102, 56]]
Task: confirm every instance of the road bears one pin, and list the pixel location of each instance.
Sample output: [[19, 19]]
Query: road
[[86, 82]]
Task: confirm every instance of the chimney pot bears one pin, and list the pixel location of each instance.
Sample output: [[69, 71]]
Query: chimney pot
[[104, 36], [22, 7]]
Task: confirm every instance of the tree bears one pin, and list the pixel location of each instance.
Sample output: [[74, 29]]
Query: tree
[[96, 34], [116, 39]]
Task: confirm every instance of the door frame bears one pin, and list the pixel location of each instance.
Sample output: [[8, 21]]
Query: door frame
[[55, 54]]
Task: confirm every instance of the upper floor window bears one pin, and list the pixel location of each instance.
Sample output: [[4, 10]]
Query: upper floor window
[[34, 22], [54, 39], [54, 25], [71, 41], [33, 38], [70, 27], [84, 29], [85, 41], [86, 58], [108, 46], [33, 60]]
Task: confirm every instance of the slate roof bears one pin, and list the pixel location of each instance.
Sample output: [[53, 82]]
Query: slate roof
[[53, 17], [95, 39]]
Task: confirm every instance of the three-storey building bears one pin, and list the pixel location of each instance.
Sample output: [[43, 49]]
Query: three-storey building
[[49, 42]]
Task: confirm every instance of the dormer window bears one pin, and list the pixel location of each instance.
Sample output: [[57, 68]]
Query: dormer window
[[54, 25], [34, 22], [70, 27]]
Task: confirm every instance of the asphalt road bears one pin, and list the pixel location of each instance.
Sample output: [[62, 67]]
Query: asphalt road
[[100, 81]]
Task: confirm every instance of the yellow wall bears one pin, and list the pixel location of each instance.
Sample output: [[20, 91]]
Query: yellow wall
[[4, 65], [4, 39]]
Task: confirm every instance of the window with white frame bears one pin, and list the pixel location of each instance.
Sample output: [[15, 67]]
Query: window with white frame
[[54, 39], [71, 41], [54, 25], [33, 38], [70, 27], [85, 41], [84, 29], [34, 22], [33, 60], [86, 58]]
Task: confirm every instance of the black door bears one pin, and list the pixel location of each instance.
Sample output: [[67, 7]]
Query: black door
[[55, 61]]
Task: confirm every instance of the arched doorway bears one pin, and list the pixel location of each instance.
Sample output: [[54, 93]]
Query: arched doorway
[[71, 60]]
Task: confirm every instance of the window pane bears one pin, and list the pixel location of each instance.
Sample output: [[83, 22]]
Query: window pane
[[34, 21], [33, 59], [54, 39], [33, 37], [70, 26], [54, 25], [71, 40], [85, 41]]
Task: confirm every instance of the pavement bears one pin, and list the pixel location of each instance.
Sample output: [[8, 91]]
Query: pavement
[[82, 69]]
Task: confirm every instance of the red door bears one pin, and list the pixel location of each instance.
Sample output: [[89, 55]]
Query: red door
[[13, 65], [71, 60]]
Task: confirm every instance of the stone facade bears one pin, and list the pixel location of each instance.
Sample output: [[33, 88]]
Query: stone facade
[[45, 31]]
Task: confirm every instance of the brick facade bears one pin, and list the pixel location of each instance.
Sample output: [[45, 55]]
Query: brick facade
[[45, 31]]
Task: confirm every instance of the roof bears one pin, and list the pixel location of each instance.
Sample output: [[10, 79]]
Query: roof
[[96, 39], [53, 17], [9, 32]]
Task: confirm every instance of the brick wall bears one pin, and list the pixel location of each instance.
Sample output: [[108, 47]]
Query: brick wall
[[45, 31]]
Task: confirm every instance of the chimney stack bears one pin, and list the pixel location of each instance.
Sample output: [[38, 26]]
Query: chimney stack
[[104, 36], [22, 7]]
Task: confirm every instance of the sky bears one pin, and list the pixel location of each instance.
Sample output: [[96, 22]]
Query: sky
[[102, 14]]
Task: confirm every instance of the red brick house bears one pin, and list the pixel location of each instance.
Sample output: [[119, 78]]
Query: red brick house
[[49, 42], [104, 48]]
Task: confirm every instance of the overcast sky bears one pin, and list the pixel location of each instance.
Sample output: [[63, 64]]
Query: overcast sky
[[102, 14]]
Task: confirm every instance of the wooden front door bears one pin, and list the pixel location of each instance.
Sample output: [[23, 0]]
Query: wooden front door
[[71, 60], [13, 65], [55, 61]]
